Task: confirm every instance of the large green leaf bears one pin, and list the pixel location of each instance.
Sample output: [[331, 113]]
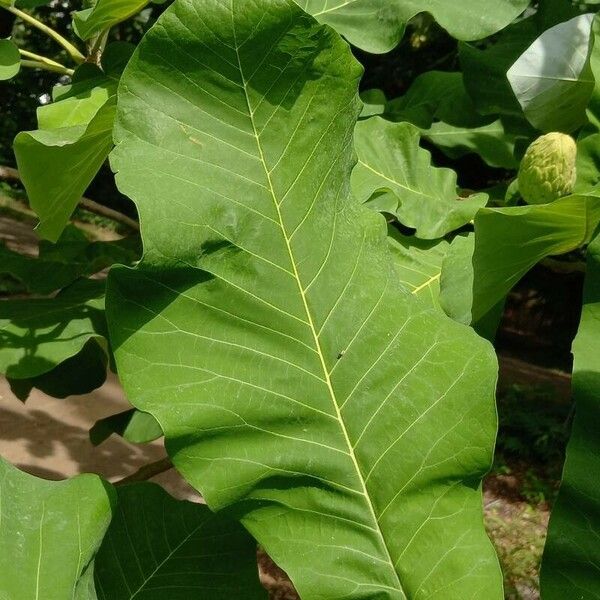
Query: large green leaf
[[159, 548], [10, 59], [49, 532], [266, 329], [552, 79], [389, 157], [378, 25], [510, 241], [36, 335], [571, 562]]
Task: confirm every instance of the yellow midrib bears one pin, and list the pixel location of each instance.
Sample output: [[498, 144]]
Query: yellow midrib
[[318, 348]]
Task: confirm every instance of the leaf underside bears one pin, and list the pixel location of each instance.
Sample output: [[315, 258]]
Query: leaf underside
[[296, 381]]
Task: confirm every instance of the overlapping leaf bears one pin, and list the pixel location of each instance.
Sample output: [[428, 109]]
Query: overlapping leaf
[[159, 548], [426, 199], [438, 103], [49, 532], [571, 562], [266, 329], [378, 25]]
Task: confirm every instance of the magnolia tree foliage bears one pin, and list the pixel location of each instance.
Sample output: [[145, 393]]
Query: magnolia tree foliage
[[308, 323]]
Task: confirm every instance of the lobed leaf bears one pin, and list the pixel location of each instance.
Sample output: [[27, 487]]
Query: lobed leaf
[[378, 25], [297, 383], [426, 199]]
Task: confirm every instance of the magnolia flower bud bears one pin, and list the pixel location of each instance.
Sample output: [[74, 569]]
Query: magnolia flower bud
[[547, 171]]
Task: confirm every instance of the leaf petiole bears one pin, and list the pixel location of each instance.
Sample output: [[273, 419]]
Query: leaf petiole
[[75, 54], [47, 66]]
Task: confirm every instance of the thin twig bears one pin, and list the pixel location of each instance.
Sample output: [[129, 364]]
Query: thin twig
[[9, 173], [148, 471]]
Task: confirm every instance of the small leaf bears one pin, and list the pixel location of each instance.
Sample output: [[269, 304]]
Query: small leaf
[[10, 60], [38, 334], [58, 161], [104, 15], [133, 425], [57, 165], [571, 561], [552, 79], [389, 157], [50, 532], [159, 548]]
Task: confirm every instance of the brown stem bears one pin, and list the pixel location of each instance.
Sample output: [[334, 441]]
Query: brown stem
[[11, 174], [148, 471]]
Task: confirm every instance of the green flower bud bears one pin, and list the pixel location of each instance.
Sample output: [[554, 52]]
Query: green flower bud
[[547, 171]]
